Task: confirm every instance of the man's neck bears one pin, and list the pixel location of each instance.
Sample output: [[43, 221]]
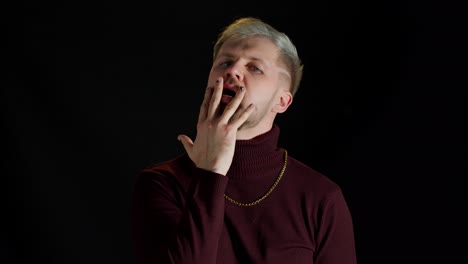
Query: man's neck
[[247, 133]]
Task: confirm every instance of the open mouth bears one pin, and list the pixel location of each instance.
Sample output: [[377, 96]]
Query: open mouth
[[228, 92], [228, 95]]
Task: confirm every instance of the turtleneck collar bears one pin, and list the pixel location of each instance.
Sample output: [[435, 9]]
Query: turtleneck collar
[[257, 157]]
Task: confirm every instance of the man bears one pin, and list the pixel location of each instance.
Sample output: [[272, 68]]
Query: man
[[234, 196]]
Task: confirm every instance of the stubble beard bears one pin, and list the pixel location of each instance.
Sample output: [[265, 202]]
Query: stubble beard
[[253, 120], [250, 122]]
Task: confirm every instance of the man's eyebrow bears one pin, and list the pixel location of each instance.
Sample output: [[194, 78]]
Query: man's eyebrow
[[226, 54], [230, 55]]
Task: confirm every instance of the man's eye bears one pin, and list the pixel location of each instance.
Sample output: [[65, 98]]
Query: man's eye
[[226, 64], [255, 69]]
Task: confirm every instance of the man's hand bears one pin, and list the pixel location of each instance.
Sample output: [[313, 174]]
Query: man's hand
[[214, 144]]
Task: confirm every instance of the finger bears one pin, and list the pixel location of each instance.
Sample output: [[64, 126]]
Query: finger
[[205, 104], [215, 98], [243, 117], [233, 105], [186, 142]]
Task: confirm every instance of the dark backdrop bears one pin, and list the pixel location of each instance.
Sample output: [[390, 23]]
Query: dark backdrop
[[97, 91]]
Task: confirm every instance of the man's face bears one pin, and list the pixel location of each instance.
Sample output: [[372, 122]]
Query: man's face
[[254, 64]]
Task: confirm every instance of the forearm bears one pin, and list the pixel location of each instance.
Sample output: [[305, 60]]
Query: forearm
[[179, 227], [201, 223]]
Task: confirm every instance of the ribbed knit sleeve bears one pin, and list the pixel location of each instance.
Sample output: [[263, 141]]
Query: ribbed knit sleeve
[[335, 238], [173, 223]]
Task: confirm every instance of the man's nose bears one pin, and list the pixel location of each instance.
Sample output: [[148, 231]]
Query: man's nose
[[235, 72]]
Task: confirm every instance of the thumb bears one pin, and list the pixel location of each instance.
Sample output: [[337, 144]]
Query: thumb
[[186, 142]]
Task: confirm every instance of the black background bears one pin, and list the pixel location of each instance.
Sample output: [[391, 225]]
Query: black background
[[96, 91]]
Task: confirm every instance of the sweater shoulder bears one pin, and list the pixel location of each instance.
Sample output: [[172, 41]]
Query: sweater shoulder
[[311, 180], [173, 170], [171, 165]]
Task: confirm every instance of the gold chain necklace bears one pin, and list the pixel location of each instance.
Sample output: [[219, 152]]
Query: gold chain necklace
[[268, 192]]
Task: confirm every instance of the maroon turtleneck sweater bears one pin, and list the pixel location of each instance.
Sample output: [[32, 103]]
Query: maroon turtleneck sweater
[[180, 215]]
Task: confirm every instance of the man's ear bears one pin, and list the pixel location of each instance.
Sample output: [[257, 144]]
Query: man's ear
[[284, 101]]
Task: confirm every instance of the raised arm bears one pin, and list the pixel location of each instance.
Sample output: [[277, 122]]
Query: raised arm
[[173, 223]]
